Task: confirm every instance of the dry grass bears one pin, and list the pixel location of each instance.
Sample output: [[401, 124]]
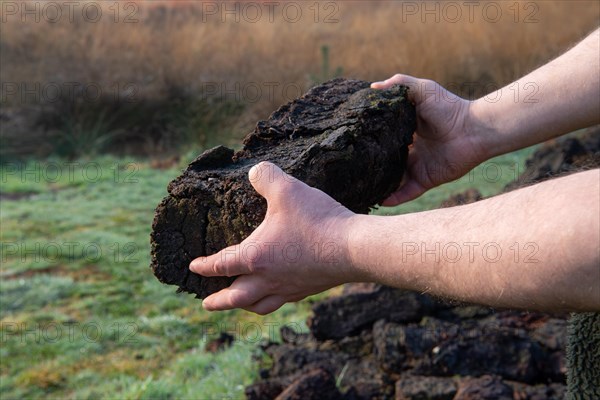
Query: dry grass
[[175, 49]]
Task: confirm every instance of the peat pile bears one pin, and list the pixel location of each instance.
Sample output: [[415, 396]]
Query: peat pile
[[342, 137], [376, 342], [575, 152]]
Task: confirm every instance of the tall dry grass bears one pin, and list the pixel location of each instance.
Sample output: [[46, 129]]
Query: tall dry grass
[[175, 49]]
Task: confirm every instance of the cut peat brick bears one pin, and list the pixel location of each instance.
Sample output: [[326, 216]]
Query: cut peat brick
[[342, 137]]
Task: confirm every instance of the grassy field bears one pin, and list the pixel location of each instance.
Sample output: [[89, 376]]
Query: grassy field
[[82, 316]]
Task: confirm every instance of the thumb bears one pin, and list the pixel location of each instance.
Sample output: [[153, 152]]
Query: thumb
[[270, 181], [416, 87]]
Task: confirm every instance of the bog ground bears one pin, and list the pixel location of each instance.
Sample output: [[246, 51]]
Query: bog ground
[[82, 315]]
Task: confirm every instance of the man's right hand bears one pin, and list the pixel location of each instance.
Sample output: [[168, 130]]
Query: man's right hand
[[445, 147]]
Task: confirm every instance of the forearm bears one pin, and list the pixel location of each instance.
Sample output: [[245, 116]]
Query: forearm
[[535, 248], [559, 97]]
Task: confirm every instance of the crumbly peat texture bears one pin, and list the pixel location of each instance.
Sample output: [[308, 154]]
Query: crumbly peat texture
[[341, 137]]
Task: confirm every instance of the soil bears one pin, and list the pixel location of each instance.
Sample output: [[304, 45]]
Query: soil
[[378, 342], [341, 137]]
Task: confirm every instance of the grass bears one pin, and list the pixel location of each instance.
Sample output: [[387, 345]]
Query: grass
[[83, 317], [489, 178]]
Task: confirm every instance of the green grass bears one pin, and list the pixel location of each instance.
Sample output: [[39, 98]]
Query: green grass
[[489, 178], [82, 316]]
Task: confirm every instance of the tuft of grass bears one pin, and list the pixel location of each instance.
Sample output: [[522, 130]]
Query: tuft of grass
[[326, 72], [85, 136]]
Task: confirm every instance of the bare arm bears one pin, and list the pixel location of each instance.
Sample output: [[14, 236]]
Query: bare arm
[[561, 96], [330, 246], [535, 248]]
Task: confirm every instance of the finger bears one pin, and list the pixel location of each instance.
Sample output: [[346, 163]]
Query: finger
[[227, 262], [407, 192], [243, 292], [270, 181], [398, 79], [267, 305], [416, 87]]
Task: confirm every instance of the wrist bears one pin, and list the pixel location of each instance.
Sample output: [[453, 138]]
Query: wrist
[[376, 250], [481, 129], [359, 249], [332, 249]]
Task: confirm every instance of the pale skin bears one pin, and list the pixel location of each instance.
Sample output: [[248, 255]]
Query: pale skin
[[536, 248]]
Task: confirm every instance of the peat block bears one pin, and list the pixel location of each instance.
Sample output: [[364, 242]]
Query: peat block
[[342, 137]]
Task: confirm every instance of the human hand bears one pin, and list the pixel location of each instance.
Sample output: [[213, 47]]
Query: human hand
[[445, 146], [298, 250]]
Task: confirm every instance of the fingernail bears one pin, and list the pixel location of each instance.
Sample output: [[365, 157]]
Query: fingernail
[[196, 262], [254, 173]]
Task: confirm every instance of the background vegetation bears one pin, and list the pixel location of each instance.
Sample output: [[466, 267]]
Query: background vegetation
[[81, 314], [149, 77]]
